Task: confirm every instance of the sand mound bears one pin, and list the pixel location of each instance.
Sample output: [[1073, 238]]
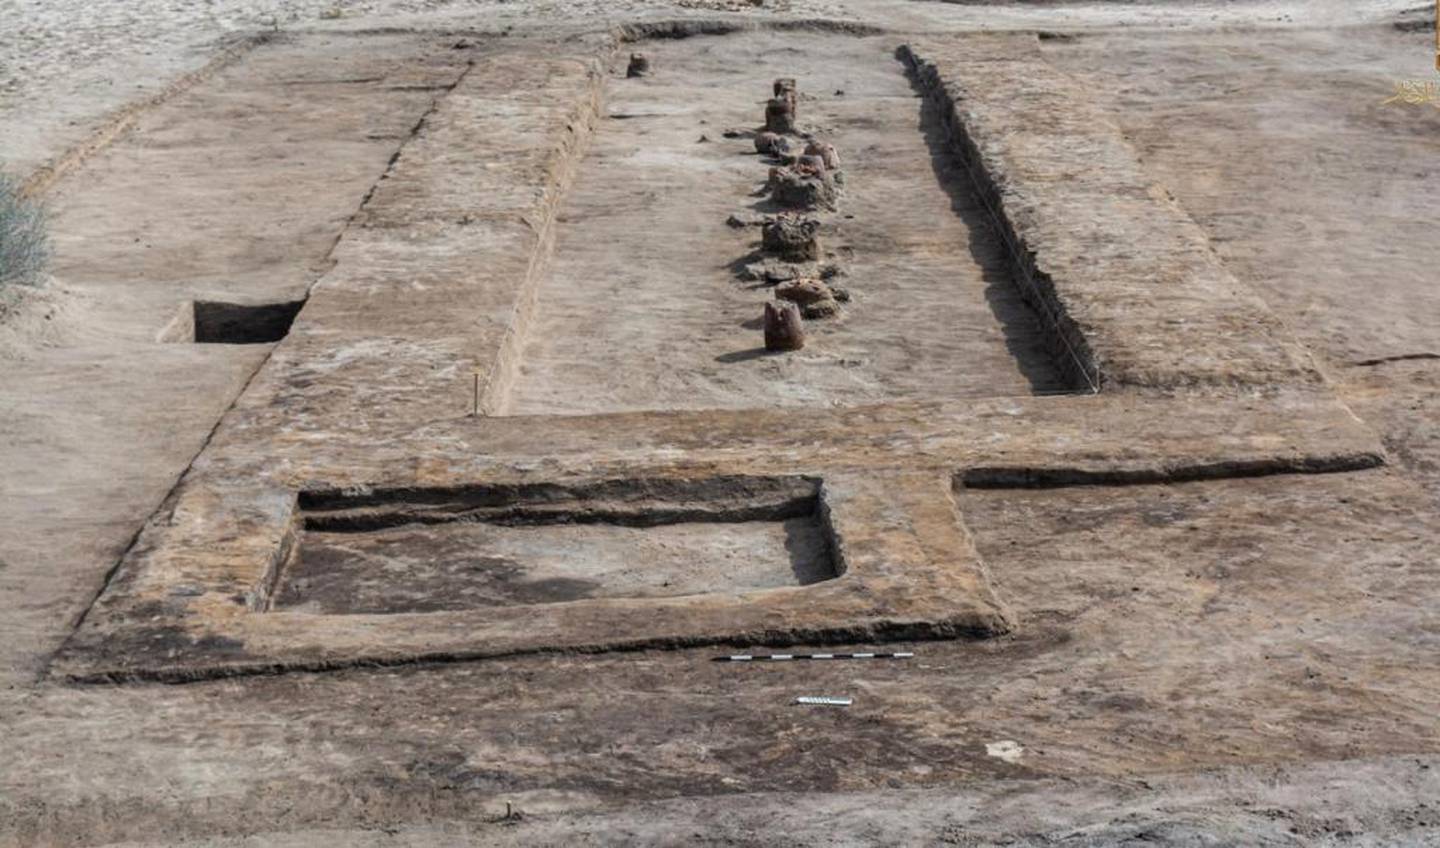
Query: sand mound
[[36, 317]]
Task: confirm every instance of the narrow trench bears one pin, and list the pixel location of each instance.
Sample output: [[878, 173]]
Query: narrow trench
[[1069, 355], [641, 307], [1033, 344]]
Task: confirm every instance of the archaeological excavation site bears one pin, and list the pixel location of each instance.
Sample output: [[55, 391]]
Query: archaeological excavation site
[[720, 422]]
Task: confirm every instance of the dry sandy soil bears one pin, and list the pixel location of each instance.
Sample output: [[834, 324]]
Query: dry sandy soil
[[1133, 621]]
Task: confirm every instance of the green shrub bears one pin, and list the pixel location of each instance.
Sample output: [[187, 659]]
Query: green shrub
[[24, 239]]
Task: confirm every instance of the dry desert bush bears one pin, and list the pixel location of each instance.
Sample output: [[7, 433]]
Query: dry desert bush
[[24, 241]]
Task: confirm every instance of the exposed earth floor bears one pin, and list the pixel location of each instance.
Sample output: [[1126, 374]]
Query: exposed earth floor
[[395, 451]]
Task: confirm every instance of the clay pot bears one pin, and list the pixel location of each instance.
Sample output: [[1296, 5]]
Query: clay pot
[[785, 89], [791, 238], [826, 152], [803, 292], [784, 328], [780, 116], [772, 144]]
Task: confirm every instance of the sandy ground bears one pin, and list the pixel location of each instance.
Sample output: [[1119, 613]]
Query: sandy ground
[[1339, 804], [67, 65], [1245, 661]]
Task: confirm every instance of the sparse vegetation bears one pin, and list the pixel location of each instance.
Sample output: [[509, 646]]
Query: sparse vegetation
[[24, 239]]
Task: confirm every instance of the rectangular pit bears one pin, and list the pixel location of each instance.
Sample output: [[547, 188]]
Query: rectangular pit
[[456, 549], [219, 322], [641, 307]]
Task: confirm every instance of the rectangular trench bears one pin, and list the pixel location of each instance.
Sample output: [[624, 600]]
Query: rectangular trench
[[642, 308], [427, 550]]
